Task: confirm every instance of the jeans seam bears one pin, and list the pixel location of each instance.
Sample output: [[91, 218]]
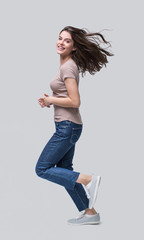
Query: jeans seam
[[80, 198]]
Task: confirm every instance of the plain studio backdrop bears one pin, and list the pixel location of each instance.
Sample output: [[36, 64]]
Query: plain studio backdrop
[[112, 141]]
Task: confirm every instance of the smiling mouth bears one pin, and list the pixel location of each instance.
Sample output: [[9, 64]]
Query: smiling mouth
[[61, 48]]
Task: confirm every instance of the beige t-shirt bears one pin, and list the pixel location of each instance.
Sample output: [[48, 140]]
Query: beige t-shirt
[[67, 70]]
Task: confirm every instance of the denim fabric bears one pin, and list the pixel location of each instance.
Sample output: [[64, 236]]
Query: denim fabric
[[55, 162]]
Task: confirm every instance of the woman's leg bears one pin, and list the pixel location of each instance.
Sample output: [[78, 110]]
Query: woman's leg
[[52, 153], [84, 179], [65, 137], [78, 194], [60, 147]]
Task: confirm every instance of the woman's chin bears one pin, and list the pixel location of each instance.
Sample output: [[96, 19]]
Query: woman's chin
[[58, 52]]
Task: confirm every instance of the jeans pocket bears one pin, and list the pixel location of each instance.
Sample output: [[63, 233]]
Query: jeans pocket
[[76, 132], [63, 130]]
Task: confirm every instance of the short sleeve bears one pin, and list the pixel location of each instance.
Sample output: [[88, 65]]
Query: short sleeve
[[68, 73]]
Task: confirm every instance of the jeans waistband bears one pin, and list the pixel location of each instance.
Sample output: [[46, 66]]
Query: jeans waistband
[[68, 123]]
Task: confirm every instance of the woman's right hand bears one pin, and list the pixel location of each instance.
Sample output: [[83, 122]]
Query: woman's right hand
[[42, 102], [47, 96]]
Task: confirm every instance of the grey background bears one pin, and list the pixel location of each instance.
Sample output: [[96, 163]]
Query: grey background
[[112, 109]]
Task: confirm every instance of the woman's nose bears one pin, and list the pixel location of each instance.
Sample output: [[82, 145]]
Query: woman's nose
[[61, 41]]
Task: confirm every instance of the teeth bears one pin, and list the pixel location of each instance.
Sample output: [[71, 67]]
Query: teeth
[[61, 47]]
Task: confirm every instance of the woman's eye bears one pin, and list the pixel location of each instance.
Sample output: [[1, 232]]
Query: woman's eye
[[61, 39]]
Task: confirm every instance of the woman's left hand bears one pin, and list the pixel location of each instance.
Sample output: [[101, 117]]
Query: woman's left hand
[[45, 101]]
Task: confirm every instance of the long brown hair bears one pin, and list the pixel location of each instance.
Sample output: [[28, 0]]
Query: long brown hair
[[89, 55]]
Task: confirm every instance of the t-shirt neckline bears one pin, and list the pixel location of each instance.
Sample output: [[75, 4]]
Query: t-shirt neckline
[[65, 62]]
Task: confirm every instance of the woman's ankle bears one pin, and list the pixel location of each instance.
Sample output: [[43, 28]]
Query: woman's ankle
[[90, 211], [84, 179]]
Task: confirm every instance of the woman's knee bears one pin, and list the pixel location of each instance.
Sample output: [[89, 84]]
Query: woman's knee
[[38, 171], [42, 170]]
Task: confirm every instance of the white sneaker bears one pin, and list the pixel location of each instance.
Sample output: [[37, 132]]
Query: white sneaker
[[85, 219], [92, 189]]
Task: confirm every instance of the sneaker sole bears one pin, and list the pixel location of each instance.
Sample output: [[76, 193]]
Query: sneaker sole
[[96, 192], [86, 223]]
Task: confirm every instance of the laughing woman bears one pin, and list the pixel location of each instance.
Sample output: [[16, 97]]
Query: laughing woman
[[79, 52]]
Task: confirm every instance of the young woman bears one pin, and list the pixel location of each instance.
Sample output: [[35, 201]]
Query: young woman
[[79, 51]]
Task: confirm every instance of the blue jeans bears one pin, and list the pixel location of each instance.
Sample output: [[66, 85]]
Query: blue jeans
[[55, 162]]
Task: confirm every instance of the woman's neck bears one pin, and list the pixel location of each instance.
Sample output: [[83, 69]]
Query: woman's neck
[[63, 60]]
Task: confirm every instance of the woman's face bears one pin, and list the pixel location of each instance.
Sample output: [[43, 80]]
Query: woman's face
[[65, 44]]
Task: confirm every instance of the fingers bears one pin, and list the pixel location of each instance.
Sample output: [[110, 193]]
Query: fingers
[[42, 101], [46, 95], [42, 104]]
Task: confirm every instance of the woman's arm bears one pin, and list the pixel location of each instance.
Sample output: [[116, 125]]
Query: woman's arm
[[73, 99]]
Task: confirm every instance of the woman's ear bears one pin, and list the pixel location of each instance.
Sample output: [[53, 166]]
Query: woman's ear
[[74, 49]]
